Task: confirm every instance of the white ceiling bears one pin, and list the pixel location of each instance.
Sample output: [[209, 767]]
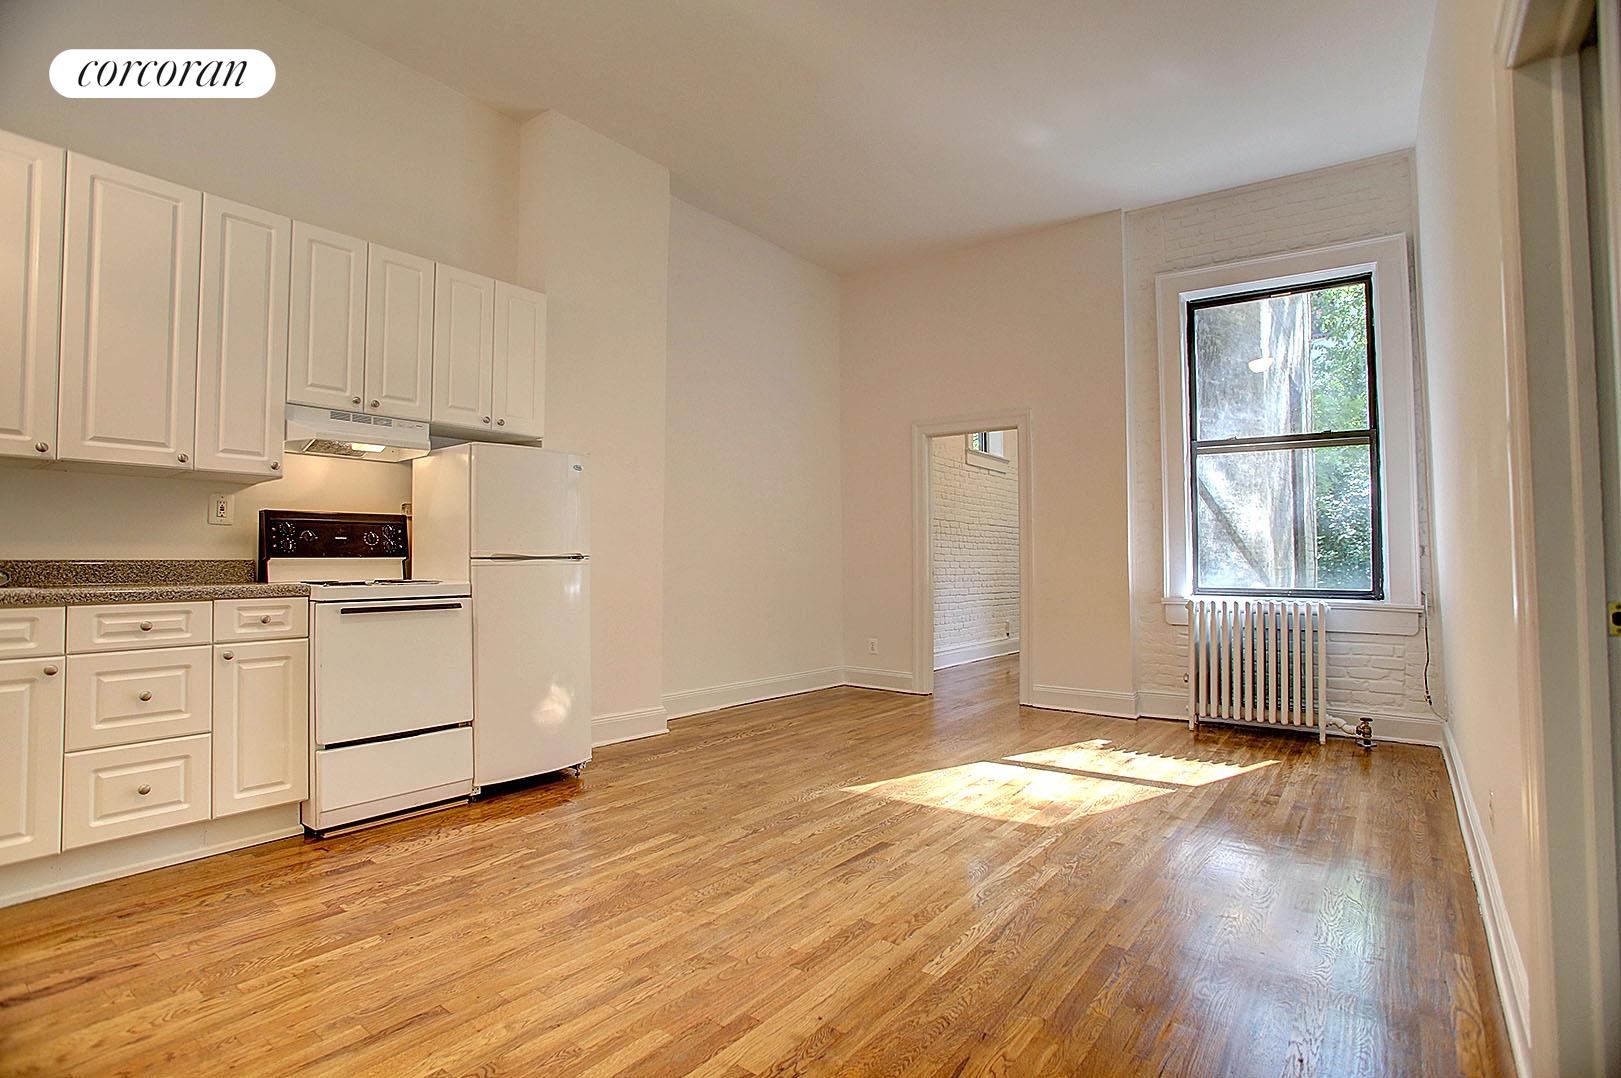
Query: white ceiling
[[857, 131]]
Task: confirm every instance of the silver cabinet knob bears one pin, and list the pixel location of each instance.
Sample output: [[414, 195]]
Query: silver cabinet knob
[[50, 671], [376, 404], [183, 458], [500, 422], [275, 465], [486, 419], [42, 447], [354, 400], [146, 626], [145, 696], [143, 789], [264, 620], [227, 655]]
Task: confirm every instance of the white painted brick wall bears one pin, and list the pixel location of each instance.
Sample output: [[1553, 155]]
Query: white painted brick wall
[[1349, 202], [976, 547]]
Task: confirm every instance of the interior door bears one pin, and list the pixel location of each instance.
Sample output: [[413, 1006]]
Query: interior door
[[528, 501], [242, 339], [399, 334], [31, 178], [129, 317], [532, 651]]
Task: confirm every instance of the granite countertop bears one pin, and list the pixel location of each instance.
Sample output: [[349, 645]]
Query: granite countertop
[[79, 583]]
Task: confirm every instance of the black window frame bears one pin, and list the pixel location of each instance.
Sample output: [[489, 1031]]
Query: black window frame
[[1368, 436]]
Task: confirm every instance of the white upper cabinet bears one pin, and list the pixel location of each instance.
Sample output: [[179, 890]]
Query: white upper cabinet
[[399, 334], [31, 699], [31, 178], [326, 335], [128, 389], [242, 339], [520, 361], [463, 348]]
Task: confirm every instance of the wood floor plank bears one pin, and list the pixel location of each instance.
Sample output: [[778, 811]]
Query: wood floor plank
[[843, 882]]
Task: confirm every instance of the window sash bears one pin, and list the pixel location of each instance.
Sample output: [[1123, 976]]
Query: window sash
[[1368, 436]]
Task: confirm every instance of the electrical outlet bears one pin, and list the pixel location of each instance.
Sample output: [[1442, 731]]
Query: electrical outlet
[[872, 645], [222, 509]]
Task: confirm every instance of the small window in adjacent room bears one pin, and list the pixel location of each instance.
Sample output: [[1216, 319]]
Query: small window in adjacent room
[[988, 449], [1283, 442]]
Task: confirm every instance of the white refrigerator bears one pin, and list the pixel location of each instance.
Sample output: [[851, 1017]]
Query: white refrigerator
[[514, 520]]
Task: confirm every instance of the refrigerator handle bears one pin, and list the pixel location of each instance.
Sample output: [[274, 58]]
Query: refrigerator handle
[[531, 557]]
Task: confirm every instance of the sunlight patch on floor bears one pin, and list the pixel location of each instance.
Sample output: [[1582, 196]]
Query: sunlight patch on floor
[[1051, 786]]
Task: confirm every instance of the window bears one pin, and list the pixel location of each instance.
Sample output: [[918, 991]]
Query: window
[[988, 442], [1289, 444], [1284, 443]]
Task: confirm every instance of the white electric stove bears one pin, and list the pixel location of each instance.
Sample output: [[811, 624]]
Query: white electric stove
[[391, 666]]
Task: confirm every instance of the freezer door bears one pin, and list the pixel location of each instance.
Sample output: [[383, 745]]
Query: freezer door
[[528, 501], [532, 668]]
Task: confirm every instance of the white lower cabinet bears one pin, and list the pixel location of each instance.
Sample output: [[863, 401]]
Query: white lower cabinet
[[261, 725], [121, 697], [31, 760], [133, 789]]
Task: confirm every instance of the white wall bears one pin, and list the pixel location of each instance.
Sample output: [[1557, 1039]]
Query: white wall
[[752, 565], [347, 138], [1461, 273], [1369, 674], [1032, 321], [975, 516], [594, 230]]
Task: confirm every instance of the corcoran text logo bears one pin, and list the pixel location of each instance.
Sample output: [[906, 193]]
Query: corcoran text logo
[[162, 73]]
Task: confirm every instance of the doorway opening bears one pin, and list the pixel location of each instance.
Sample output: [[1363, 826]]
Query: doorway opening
[[973, 477]]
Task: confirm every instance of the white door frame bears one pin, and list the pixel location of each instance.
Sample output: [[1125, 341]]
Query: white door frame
[[1017, 420]]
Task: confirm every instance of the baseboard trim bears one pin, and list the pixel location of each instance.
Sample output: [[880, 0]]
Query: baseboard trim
[[72, 869], [1118, 705], [628, 726], [891, 680], [1508, 965], [679, 705], [946, 658], [1157, 704]]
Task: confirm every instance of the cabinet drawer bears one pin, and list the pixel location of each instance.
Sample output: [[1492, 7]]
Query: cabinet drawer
[[261, 619], [133, 789], [144, 625], [27, 631], [128, 696]]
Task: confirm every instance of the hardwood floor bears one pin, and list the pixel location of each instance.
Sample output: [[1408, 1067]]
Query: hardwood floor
[[848, 882]]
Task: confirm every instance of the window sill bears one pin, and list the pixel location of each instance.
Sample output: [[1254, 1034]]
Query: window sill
[[989, 461], [1347, 616]]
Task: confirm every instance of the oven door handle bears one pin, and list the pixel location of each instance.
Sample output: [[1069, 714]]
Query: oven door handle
[[404, 609]]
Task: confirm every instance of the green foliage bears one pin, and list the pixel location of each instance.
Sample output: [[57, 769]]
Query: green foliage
[[1339, 401]]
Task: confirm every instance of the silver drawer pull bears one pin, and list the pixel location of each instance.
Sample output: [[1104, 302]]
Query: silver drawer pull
[[50, 671], [227, 655], [143, 790], [145, 696], [146, 626], [42, 447], [265, 620]]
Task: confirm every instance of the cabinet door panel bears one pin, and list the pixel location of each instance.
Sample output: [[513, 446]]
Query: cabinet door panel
[[31, 179], [133, 789], [326, 337], [463, 347], [520, 360], [129, 317], [31, 763], [399, 334], [242, 339], [261, 725]]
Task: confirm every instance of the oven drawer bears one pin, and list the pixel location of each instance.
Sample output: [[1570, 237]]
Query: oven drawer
[[28, 631], [118, 626], [360, 782], [133, 789], [128, 696], [260, 619], [381, 668]]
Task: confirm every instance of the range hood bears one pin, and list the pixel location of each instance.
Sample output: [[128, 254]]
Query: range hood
[[330, 432]]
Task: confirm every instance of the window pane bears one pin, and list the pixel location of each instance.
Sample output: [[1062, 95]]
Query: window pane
[[1285, 519], [1294, 364]]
